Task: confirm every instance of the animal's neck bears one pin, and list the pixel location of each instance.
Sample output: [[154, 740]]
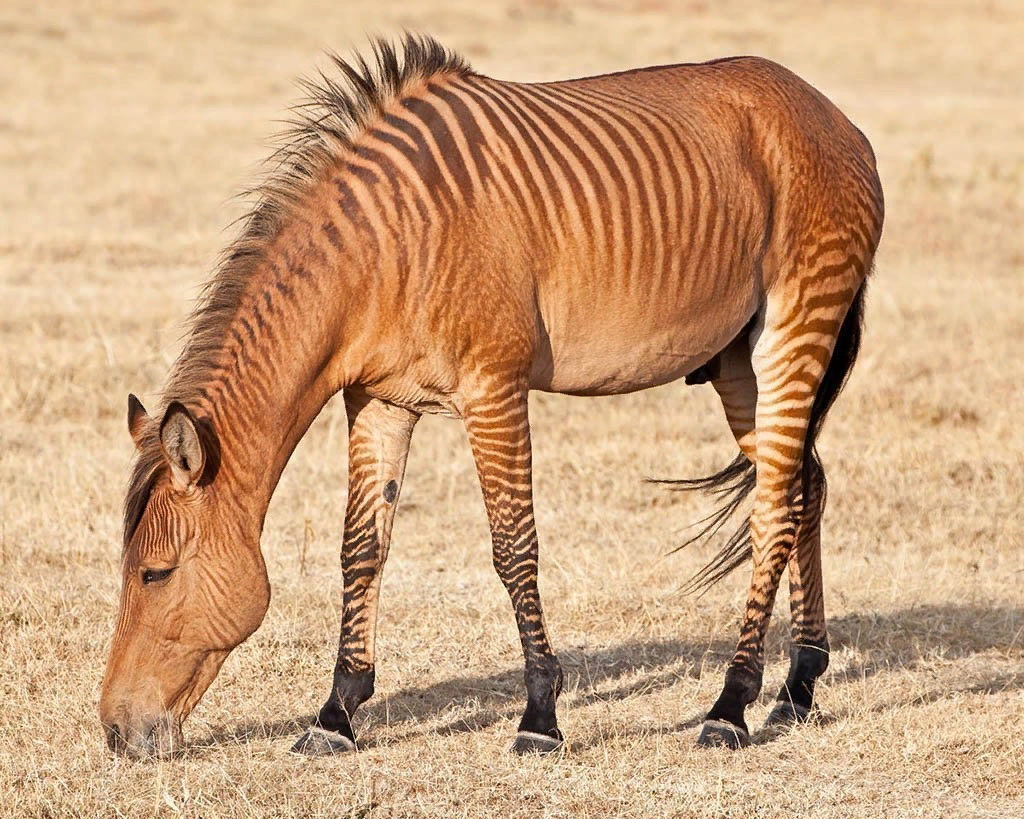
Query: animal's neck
[[273, 363]]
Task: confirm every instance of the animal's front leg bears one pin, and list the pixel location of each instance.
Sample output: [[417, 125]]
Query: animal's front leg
[[499, 433], [379, 436]]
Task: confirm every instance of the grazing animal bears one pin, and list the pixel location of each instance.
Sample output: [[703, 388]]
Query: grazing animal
[[436, 241]]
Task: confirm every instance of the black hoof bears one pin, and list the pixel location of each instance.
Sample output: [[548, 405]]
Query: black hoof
[[528, 742], [720, 734], [787, 713], [320, 742]]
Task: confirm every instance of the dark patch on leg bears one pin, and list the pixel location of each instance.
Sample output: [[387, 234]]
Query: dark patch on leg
[[538, 729], [331, 732], [807, 662], [724, 725], [349, 692], [390, 491]]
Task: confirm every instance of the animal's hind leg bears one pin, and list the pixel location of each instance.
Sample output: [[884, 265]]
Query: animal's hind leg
[[789, 360], [809, 649], [378, 443], [737, 387]]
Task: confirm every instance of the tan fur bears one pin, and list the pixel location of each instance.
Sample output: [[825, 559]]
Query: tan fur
[[438, 241]]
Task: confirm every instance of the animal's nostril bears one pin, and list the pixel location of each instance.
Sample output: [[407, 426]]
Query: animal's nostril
[[115, 738]]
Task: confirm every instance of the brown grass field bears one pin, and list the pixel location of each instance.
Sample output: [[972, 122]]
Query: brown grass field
[[125, 130]]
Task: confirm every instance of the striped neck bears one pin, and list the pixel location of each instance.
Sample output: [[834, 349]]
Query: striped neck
[[264, 376]]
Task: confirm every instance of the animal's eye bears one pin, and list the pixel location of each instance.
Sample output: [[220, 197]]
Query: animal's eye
[[155, 575]]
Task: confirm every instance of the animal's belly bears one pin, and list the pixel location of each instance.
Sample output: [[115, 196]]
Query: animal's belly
[[606, 370], [612, 356]]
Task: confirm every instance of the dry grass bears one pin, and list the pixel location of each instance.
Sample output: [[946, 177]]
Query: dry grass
[[123, 132]]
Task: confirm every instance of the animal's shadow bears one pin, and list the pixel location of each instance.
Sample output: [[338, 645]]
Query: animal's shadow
[[905, 639]]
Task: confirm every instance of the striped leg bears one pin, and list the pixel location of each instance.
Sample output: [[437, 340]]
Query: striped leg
[[379, 436], [737, 387], [809, 649], [789, 361], [499, 434]]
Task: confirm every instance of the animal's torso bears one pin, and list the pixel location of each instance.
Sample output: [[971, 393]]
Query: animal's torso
[[603, 235]]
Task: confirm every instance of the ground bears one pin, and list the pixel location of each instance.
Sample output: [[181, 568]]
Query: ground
[[124, 131]]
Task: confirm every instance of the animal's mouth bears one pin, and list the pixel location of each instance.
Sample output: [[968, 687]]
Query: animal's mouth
[[158, 739], [141, 736]]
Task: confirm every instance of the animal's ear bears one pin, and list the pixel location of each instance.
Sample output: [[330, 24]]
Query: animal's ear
[[182, 446], [138, 419]]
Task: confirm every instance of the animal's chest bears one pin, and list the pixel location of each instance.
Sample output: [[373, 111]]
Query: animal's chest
[[416, 395]]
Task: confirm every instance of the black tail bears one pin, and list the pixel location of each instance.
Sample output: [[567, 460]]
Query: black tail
[[737, 480]]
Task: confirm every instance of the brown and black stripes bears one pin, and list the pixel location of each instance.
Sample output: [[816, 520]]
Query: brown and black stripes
[[499, 435], [378, 445], [433, 240], [809, 648], [792, 389], [566, 158]]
